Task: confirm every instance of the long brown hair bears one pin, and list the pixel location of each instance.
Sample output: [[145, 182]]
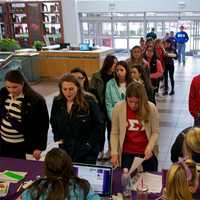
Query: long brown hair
[[79, 99], [128, 74], [58, 175], [137, 90], [79, 70], [108, 63], [132, 57]]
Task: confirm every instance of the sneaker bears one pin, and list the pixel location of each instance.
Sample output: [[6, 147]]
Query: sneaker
[[165, 93], [100, 156], [172, 93]]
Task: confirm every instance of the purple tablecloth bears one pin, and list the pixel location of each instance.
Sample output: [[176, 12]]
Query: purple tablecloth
[[35, 169]]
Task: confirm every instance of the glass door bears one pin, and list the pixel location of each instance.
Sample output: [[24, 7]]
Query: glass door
[[120, 35], [136, 31], [196, 38], [106, 38]]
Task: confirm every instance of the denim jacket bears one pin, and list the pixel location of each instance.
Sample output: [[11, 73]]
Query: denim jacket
[[76, 193]]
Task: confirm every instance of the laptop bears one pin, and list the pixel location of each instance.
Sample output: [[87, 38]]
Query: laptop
[[99, 177]]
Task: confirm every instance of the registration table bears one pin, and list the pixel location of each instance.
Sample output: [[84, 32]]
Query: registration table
[[35, 169]]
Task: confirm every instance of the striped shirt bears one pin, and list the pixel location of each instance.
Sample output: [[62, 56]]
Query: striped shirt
[[13, 108]]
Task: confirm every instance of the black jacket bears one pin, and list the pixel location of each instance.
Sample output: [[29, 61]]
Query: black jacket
[[35, 119], [79, 129], [176, 150]]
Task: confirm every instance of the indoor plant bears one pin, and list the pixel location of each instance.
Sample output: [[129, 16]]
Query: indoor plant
[[38, 45], [8, 44]]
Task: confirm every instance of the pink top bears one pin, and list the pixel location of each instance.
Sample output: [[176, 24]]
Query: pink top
[[159, 72]]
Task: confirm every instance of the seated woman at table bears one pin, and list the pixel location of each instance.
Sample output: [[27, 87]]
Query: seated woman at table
[[182, 181], [135, 129], [76, 121], [60, 181], [24, 118], [187, 143]]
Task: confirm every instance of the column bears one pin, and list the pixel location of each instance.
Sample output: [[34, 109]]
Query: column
[[71, 24]]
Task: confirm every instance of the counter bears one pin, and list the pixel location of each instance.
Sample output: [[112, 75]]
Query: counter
[[56, 62]]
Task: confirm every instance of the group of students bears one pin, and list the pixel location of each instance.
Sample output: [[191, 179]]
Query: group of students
[[178, 41], [119, 97], [60, 181]]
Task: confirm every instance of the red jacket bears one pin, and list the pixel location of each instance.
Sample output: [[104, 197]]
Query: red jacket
[[194, 96]]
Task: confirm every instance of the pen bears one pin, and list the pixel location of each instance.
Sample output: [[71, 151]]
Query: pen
[[20, 186]]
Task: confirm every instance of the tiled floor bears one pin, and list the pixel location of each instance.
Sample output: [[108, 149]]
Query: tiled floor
[[174, 115]]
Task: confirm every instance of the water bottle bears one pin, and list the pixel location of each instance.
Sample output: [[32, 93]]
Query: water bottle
[[126, 183]]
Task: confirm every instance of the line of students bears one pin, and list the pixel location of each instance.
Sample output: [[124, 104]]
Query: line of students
[[77, 121]]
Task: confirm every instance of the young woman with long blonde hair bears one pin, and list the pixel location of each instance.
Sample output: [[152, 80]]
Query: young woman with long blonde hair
[[182, 181]]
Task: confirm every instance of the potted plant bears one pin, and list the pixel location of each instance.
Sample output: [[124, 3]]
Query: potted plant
[[38, 45], [8, 44]]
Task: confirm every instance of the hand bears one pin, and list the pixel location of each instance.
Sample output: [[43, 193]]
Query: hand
[[114, 160], [60, 141], [36, 154], [147, 153]]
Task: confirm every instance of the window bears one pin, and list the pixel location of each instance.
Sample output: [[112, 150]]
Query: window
[[120, 29], [120, 43], [85, 28], [106, 28], [133, 42], [136, 28]]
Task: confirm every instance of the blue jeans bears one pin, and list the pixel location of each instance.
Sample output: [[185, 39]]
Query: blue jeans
[[181, 52], [148, 165]]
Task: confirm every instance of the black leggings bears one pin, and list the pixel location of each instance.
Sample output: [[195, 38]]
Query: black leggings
[[169, 69], [148, 165], [12, 150]]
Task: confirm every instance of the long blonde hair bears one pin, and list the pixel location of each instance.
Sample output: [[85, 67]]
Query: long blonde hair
[[191, 142], [177, 185]]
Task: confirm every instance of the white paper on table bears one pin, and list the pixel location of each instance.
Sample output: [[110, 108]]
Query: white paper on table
[[152, 181], [135, 164]]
